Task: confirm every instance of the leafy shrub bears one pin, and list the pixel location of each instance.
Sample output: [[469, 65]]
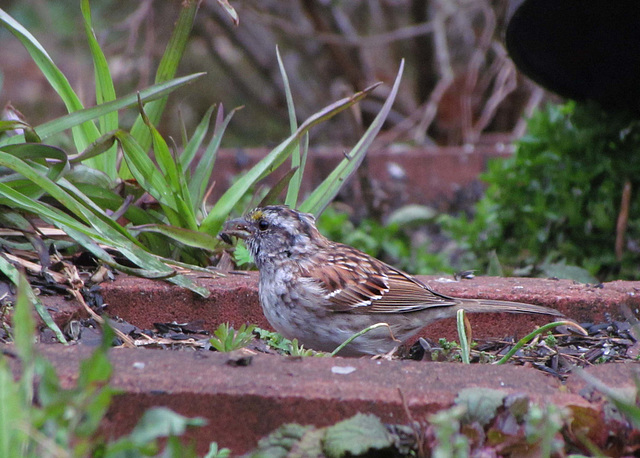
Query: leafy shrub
[[555, 203]]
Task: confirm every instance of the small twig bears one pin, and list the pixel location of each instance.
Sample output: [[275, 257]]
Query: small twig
[[375, 40], [126, 340], [537, 93], [446, 75], [414, 425], [479, 56], [505, 84]]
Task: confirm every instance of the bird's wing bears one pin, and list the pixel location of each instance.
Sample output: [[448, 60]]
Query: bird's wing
[[355, 282]]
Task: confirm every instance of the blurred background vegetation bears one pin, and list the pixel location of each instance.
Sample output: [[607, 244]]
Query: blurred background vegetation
[[460, 83], [552, 209]]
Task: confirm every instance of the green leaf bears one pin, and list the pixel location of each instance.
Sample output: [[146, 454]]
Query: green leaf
[[193, 145], [356, 436], [145, 172], [13, 414], [281, 441], [215, 452], [99, 146], [175, 179], [29, 133], [329, 188], [275, 191], [51, 157], [562, 270], [160, 422], [242, 255], [480, 405], [412, 214], [153, 266], [23, 323]]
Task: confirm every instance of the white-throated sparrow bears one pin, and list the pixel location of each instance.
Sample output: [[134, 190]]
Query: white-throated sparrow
[[322, 292]]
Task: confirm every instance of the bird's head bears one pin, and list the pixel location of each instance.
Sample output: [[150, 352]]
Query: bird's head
[[274, 232]]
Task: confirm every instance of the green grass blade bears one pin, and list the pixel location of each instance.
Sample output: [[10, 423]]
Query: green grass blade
[[328, 189], [184, 236], [162, 154], [465, 345], [66, 122], [53, 158], [193, 145], [105, 92], [202, 173], [79, 205], [99, 146], [15, 410], [173, 174], [213, 222], [274, 192], [296, 158], [144, 170], [529, 337], [167, 69], [12, 273], [84, 133]]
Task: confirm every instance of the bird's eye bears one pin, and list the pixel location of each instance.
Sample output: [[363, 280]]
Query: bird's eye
[[263, 225]]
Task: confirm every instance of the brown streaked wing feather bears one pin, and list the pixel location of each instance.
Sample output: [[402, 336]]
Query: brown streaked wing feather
[[406, 294], [371, 286]]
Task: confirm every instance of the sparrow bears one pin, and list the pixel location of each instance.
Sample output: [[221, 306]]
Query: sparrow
[[322, 292]]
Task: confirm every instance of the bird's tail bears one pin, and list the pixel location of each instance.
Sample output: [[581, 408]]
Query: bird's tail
[[490, 305]]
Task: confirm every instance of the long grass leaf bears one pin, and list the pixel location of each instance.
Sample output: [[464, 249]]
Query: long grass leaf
[[172, 173], [144, 170], [202, 173], [105, 92], [53, 158], [186, 237], [12, 273], [329, 188], [84, 133], [193, 145], [213, 222], [294, 185], [167, 69], [277, 188], [67, 122]]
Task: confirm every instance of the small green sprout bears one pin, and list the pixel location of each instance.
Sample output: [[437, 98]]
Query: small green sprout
[[226, 339]]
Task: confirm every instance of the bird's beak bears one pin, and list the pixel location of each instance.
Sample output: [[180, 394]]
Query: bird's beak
[[235, 228]]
